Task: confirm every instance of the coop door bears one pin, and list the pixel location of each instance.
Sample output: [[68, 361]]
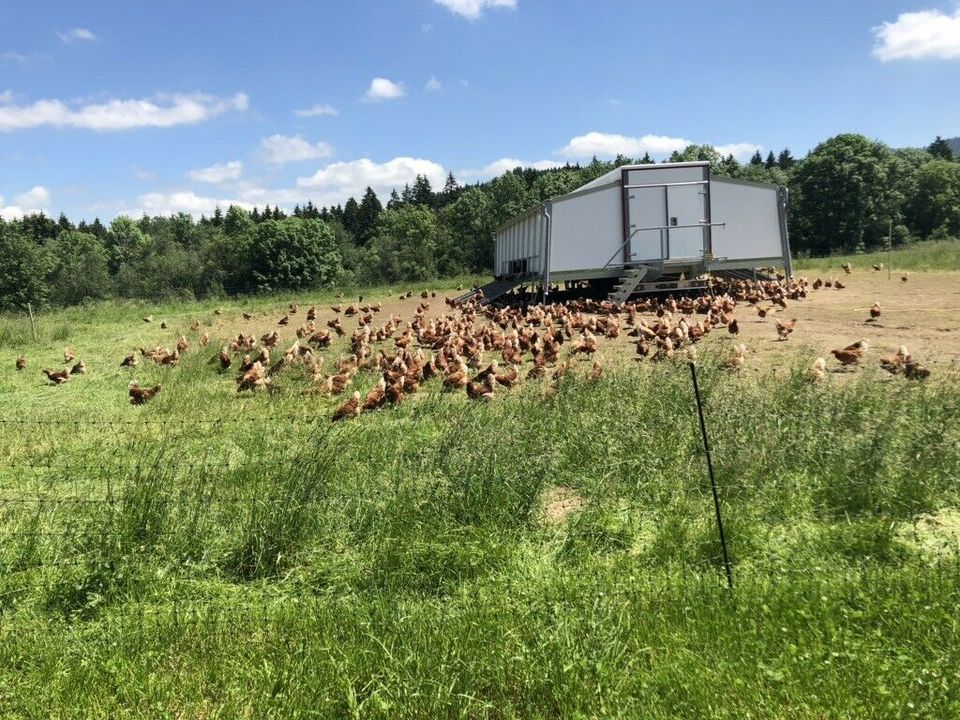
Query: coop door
[[686, 218], [667, 212]]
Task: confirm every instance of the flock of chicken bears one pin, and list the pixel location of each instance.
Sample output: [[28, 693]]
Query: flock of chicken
[[476, 348]]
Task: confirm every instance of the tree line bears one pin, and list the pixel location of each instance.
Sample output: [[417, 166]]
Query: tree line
[[846, 195]]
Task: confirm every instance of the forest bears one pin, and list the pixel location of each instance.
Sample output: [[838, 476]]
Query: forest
[[846, 195]]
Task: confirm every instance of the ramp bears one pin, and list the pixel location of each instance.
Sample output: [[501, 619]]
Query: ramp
[[491, 291]]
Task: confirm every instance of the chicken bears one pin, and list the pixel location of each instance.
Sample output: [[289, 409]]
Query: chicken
[[904, 277], [163, 325], [509, 378], [338, 383], [253, 378], [732, 327], [204, 339], [285, 320], [57, 377], [762, 311], [875, 311], [595, 372], [457, 378], [130, 361], [224, 358], [852, 354], [139, 395], [21, 362], [79, 369], [395, 390], [895, 363], [377, 396], [878, 267], [915, 371], [350, 409], [785, 328], [817, 370], [482, 390], [736, 359], [148, 319], [247, 316], [847, 268], [68, 355]]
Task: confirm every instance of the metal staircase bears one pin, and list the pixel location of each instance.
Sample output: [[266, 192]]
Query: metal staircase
[[629, 282]]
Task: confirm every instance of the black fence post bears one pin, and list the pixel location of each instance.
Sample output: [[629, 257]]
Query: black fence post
[[713, 482]]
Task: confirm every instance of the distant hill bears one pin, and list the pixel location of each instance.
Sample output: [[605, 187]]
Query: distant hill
[[954, 144]]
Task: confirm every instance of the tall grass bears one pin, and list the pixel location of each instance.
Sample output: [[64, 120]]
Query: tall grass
[[941, 255], [220, 555]]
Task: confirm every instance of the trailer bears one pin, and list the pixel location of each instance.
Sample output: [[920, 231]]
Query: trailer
[[645, 228]]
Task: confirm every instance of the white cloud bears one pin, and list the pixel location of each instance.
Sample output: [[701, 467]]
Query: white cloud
[[281, 149], [219, 173], [433, 85], [161, 111], [36, 197], [24, 59], [34, 200], [927, 34], [81, 34], [741, 151], [187, 201], [6, 97], [608, 145], [383, 89], [498, 167], [318, 110], [343, 179], [473, 9]]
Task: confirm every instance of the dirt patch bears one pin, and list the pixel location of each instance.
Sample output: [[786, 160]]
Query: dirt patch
[[558, 502], [935, 535]]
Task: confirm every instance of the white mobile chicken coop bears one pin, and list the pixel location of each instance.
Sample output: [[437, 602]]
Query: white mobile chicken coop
[[644, 228]]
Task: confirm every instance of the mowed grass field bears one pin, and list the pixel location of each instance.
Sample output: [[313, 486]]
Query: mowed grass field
[[216, 554]]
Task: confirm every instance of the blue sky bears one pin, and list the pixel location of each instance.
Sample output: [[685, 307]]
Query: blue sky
[[117, 106]]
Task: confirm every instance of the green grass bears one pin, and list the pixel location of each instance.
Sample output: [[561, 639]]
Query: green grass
[[218, 555], [943, 255]]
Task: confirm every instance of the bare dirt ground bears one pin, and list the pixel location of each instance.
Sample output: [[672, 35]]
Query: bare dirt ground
[[922, 313]]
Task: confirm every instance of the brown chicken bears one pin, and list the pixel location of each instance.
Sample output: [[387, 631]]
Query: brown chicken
[[785, 328], [68, 354], [732, 327], [377, 396], [79, 369], [21, 362], [915, 371], [482, 390], [350, 409], [255, 377], [895, 363], [508, 378], [595, 372], [904, 277], [57, 377], [847, 268], [875, 311], [852, 354], [139, 395], [130, 360]]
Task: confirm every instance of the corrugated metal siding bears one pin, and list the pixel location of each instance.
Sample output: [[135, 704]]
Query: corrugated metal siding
[[521, 239]]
